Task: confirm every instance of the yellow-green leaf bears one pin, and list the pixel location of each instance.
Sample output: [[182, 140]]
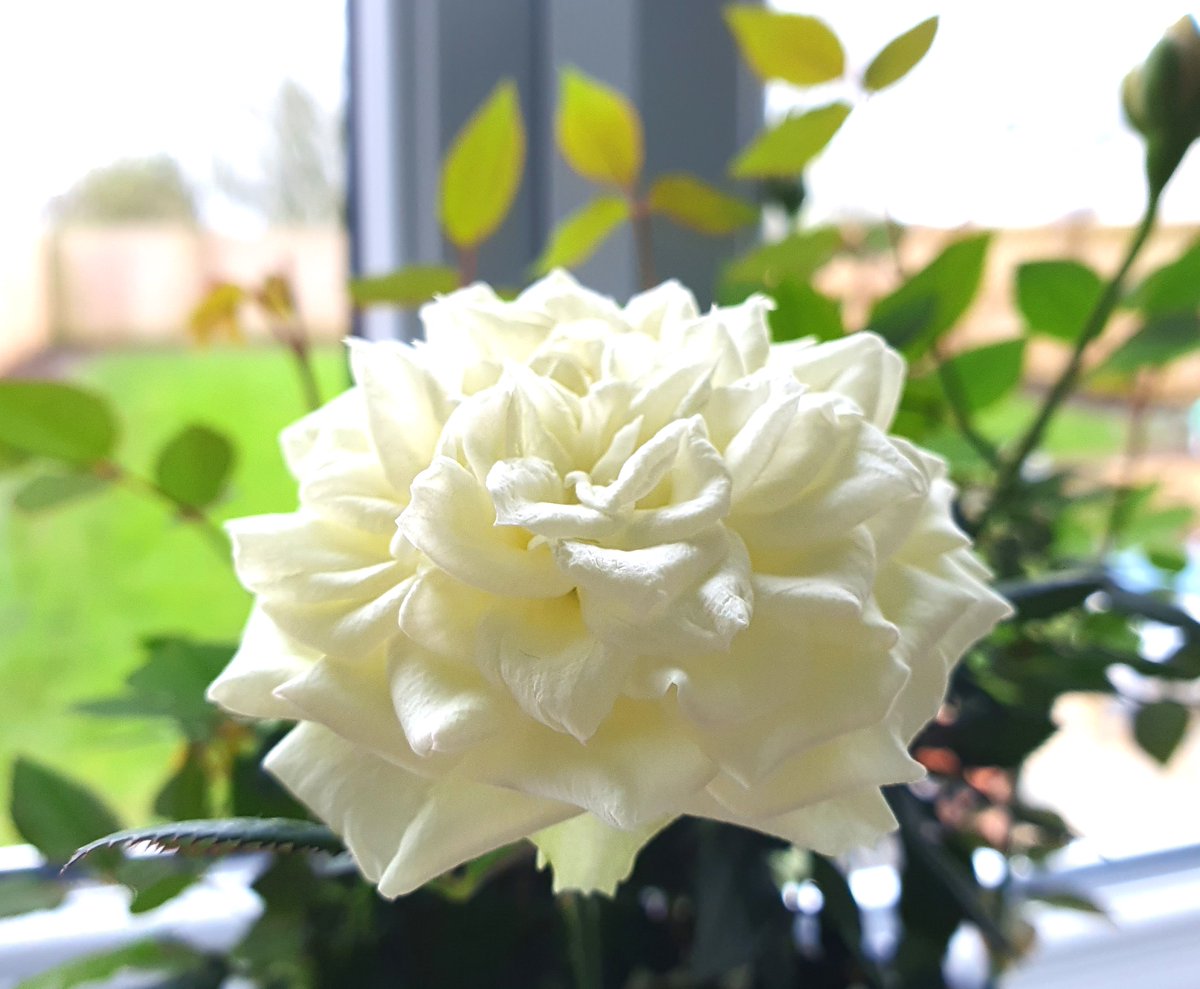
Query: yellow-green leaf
[[784, 150], [576, 238], [695, 204], [900, 56], [482, 170], [599, 131], [409, 286], [793, 47]]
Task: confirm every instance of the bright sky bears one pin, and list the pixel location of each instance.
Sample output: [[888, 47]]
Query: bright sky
[[1013, 119], [85, 82]]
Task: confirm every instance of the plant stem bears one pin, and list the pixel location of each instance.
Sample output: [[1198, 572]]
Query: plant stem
[[304, 368], [582, 916], [1135, 444], [468, 264], [213, 533], [1010, 472], [639, 215], [952, 386]]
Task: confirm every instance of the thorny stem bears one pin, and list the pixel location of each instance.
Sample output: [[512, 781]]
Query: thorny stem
[[1010, 472]]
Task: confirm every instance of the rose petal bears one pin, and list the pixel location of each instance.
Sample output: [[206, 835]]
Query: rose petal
[[402, 830], [442, 707], [870, 757], [638, 768], [861, 366], [329, 587], [406, 407], [265, 659], [556, 670], [451, 520]]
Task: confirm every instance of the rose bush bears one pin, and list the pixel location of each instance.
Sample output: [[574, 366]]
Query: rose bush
[[569, 571]]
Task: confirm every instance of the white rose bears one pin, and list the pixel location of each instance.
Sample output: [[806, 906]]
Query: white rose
[[570, 571]]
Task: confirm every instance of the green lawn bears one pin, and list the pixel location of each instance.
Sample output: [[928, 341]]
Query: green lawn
[[82, 584]]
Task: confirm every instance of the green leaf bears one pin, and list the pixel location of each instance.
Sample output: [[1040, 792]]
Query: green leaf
[[784, 150], [695, 204], [905, 321], [796, 256], [576, 238], [986, 374], [1036, 599], [194, 465], [1056, 297], [791, 47], [52, 490], [144, 956], [171, 684], [949, 283], [801, 311], [11, 458], [158, 893], [900, 56], [24, 894], [409, 286], [53, 420], [599, 131], [1173, 288], [1160, 341], [482, 170], [222, 835], [55, 814], [1159, 728], [185, 796]]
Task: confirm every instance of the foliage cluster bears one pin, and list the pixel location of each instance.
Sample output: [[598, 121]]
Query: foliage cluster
[[703, 907]]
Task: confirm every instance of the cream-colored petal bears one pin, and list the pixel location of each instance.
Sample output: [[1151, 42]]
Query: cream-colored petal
[[403, 830], [335, 589], [265, 659], [555, 669], [665, 305], [870, 757], [639, 766], [735, 339], [451, 520], [442, 615], [353, 700], [340, 423], [861, 366], [352, 491], [406, 407], [692, 595], [529, 492], [442, 706], [814, 664], [590, 856], [856, 819]]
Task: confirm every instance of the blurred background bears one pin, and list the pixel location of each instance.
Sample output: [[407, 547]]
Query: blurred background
[[156, 150]]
